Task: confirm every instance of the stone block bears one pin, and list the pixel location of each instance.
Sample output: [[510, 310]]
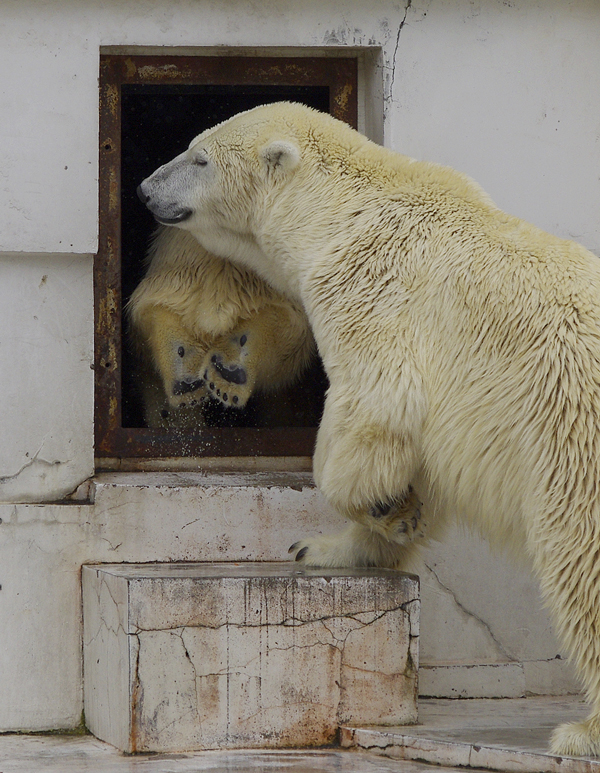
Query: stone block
[[196, 656]]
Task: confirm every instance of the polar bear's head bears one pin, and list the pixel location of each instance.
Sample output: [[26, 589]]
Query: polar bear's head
[[216, 188]]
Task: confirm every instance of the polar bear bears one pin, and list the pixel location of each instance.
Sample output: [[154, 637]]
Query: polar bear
[[209, 327], [462, 347]]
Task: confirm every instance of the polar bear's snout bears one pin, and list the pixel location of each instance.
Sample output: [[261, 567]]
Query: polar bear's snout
[[142, 195], [165, 212], [164, 191]]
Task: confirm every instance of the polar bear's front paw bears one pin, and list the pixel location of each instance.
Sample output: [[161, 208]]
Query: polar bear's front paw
[[327, 552], [576, 739], [399, 520], [357, 546], [226, 375]]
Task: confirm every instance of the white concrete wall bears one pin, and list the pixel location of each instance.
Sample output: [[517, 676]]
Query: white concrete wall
[[505, 91], [46, 381]]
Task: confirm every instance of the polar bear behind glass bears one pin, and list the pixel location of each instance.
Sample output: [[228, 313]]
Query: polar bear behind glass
[[462, 347], [210, 327]]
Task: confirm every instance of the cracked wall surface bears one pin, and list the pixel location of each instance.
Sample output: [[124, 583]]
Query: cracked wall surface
[[492, 636], [280, 657], [46, 381]]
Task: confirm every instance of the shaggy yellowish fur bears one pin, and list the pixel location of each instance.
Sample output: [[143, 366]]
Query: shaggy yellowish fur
[[462, 346], [192, 307]]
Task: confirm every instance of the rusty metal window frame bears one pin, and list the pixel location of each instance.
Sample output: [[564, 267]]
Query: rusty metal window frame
[[112, 440]]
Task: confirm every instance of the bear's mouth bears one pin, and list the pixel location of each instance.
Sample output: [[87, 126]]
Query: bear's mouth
[[184, 214]]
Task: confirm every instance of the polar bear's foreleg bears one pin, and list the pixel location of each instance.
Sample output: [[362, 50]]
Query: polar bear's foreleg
[[364, 470]]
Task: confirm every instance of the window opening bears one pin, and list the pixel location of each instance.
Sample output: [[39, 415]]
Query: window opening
[[151, 107]]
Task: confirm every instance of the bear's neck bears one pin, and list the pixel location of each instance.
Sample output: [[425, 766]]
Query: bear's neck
[[293, 241]]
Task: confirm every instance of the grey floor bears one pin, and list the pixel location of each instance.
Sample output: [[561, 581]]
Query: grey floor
[[501, 735], [84, 754]]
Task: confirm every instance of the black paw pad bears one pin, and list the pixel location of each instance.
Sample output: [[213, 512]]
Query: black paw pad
[[183, 387], [379, 509], [233, 374]]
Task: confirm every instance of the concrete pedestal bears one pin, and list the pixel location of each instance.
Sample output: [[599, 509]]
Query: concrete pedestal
[[202, 656]]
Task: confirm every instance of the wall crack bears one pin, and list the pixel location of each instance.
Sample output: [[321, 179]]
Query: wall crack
[[390, 94], [35, 459], [472, 615]]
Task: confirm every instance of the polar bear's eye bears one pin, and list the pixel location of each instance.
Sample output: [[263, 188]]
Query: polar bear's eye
[[200, 160]]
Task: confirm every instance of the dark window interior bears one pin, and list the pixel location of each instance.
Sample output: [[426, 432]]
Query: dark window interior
[[151, 107]]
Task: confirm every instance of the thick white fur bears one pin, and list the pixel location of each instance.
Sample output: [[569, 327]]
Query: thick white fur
[[462, 346], [193, 302]]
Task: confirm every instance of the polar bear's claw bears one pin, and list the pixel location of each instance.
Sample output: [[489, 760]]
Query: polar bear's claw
[[357, 546], [399, 519]]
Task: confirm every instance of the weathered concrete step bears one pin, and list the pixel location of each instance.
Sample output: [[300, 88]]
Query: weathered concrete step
[[210, 516], [181, 657], [503, 735]]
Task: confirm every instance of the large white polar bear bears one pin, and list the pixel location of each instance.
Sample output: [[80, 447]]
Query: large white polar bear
[[462, 347]]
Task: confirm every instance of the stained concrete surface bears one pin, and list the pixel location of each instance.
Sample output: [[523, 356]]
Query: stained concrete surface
[[502, 735], [477, 609], [72, 754]]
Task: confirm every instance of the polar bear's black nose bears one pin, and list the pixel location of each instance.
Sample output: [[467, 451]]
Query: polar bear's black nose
[[142, 196]]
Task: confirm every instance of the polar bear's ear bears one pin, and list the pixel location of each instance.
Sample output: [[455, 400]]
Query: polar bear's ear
[[281, 156]]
